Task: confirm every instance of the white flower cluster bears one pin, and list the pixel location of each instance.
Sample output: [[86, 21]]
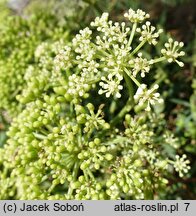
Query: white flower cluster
[[181, 164], [113, 33], [83, 46], [107, 56], [57, 46], [171, 51], [89, 66], [136, 16], [140, 64], [171, 140], [148, 33], [95, 120], [152, 156], [120, 53], [101, 21], [41, 50], [144, 95], [110, 86], [77, 86], [62, 59]]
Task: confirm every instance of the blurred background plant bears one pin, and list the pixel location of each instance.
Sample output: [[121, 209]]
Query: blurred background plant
[[177, 85]]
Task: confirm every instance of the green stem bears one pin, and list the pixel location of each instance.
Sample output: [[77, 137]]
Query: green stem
[[132, 34], [129, 84], [69, 160], [138, 47], [44, 178], [128, 106], [74, 175], [113, 106], [90, 174], [150, 194], [86, 175], [67, 73], [94, 81], [132, 77], [129, 103], [75, 171], [158, 59]]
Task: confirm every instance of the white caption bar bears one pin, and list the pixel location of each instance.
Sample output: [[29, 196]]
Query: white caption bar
[[99, 208]]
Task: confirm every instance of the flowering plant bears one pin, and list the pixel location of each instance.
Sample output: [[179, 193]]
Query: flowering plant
[[91, 130]]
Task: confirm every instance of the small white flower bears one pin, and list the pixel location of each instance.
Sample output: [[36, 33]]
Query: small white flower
[[41, 49], [140, 64], [110, 86], [62, 59], [152, 156], [94, 120], [83, 38], [149, 96], [77, 86], [120, 53], [57, 46], [171, 51], [112, 33], [181, 165], [29, 72], [171, 140], [136, 16], [140, 91], [148, 33], [101, 21]]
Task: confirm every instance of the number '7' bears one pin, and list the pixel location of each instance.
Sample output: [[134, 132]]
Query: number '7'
[[187, 205]]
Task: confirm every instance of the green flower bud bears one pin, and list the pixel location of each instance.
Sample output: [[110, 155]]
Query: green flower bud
[[108, 157]]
